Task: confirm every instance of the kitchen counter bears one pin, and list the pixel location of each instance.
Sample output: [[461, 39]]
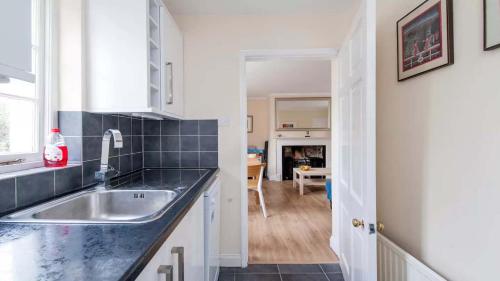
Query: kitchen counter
[[98, 251]]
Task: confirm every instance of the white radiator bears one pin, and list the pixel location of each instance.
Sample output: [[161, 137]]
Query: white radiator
[[394, 264]]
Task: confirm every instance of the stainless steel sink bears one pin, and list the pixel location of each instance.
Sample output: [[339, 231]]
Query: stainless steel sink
[[106, 206]]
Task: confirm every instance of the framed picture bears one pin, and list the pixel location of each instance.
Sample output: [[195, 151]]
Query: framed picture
[[425, 38], [249, 123], [491, 24]]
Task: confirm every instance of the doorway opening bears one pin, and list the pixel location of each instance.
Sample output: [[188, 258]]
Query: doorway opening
[[287, 154]]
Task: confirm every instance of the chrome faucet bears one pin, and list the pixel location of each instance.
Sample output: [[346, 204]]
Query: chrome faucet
[[104, 175]]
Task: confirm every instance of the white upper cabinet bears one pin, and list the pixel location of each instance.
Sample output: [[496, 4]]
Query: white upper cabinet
[[172, 63], [126, 51], [15, 31]]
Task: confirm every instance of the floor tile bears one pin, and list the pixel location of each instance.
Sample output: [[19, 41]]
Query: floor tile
[[300, 268], [258, 277], [226, 276], [331, 267], [335, 276], [228, 269], [304, 277], [258, 268]]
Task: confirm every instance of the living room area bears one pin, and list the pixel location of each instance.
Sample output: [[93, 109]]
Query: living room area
[[289, 161]]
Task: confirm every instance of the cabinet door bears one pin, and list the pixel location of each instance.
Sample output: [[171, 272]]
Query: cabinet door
[[172, 65], [188, 235]]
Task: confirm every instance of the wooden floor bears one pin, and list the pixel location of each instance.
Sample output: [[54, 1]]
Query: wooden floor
[[297, 229]]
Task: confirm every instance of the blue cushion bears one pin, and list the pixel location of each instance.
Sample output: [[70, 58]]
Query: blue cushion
[[329, 189]]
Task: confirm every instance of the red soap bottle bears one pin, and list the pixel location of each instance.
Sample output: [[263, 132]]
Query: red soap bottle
[[55, 153]]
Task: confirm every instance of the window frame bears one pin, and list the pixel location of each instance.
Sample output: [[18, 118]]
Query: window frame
[[45, 87]]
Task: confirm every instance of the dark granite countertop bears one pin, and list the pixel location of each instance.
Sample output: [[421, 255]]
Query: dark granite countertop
[[98, 251]]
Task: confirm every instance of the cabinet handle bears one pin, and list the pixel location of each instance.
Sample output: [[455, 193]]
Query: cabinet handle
[[180, 256], [168, 270], [169, 79]]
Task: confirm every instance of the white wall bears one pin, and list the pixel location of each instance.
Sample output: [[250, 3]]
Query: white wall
[[259, 109], [438, 150], [211, 56]]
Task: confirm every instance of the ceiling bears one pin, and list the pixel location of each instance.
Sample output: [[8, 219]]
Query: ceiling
[[288, 76], [259, 7]]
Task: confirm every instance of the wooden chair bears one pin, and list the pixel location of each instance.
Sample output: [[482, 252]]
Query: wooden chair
[[255, 175]]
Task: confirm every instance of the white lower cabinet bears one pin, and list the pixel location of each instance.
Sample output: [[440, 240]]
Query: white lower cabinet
[[183, 251]]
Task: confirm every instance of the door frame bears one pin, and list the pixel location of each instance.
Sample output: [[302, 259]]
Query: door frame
[[267, 55]]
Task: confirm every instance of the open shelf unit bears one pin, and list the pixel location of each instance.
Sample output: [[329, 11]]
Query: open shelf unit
[[154, 54]]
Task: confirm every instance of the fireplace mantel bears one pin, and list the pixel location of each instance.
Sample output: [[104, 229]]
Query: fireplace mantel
[[278, 149]]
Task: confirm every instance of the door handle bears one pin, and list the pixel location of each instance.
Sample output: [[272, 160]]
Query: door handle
[[168, 270], [380, 226], [179, 251], [358, 223], [169, 79]]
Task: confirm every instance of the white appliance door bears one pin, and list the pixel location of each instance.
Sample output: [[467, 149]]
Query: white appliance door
[[356, 147], [213, 221]]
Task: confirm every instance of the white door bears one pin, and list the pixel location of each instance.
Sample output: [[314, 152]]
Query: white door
[[355, 174]]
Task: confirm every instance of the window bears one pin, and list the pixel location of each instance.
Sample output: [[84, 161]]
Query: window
[[24, 103]]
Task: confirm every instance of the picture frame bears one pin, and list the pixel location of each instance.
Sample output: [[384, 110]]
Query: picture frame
[[491, 24], [249, 123], [425, 39]]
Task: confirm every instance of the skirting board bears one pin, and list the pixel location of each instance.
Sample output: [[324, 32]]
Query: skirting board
[[333, 246], [230, 260]]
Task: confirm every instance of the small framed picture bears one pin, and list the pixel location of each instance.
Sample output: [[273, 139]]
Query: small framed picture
[[425, 39], [249, 123], [491, 24]]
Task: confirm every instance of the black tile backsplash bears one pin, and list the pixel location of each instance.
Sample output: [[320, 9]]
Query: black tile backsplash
[[70, 123], [151, 127], [152, 159], [109, 121], [182, 144], [146, 144], [125, 125], [34, 188], [152, 143], [170, 128], [171, 159], [91, 148], [92, 124], [171, 143], [209, 159], [208, 127], [7, 195], [190, 159], [74, 145], [190, 143], [208, 143], [67, 180], [189, 127]]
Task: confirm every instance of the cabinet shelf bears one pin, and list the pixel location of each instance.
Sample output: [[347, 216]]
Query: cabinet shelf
[[154, 66], [153, 22], [153, 43], [154, 87]]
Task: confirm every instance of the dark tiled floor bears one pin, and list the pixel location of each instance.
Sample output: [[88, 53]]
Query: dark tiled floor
[[282, 272]]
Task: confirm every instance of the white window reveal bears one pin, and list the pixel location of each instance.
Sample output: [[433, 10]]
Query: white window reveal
[[23, 66]]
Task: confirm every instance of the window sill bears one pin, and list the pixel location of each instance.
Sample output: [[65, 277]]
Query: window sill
[[33, 170]]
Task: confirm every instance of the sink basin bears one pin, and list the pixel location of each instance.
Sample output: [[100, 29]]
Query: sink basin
[[108, 206]]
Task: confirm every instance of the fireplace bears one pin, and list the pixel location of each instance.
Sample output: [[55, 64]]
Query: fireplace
[[295, 155]]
